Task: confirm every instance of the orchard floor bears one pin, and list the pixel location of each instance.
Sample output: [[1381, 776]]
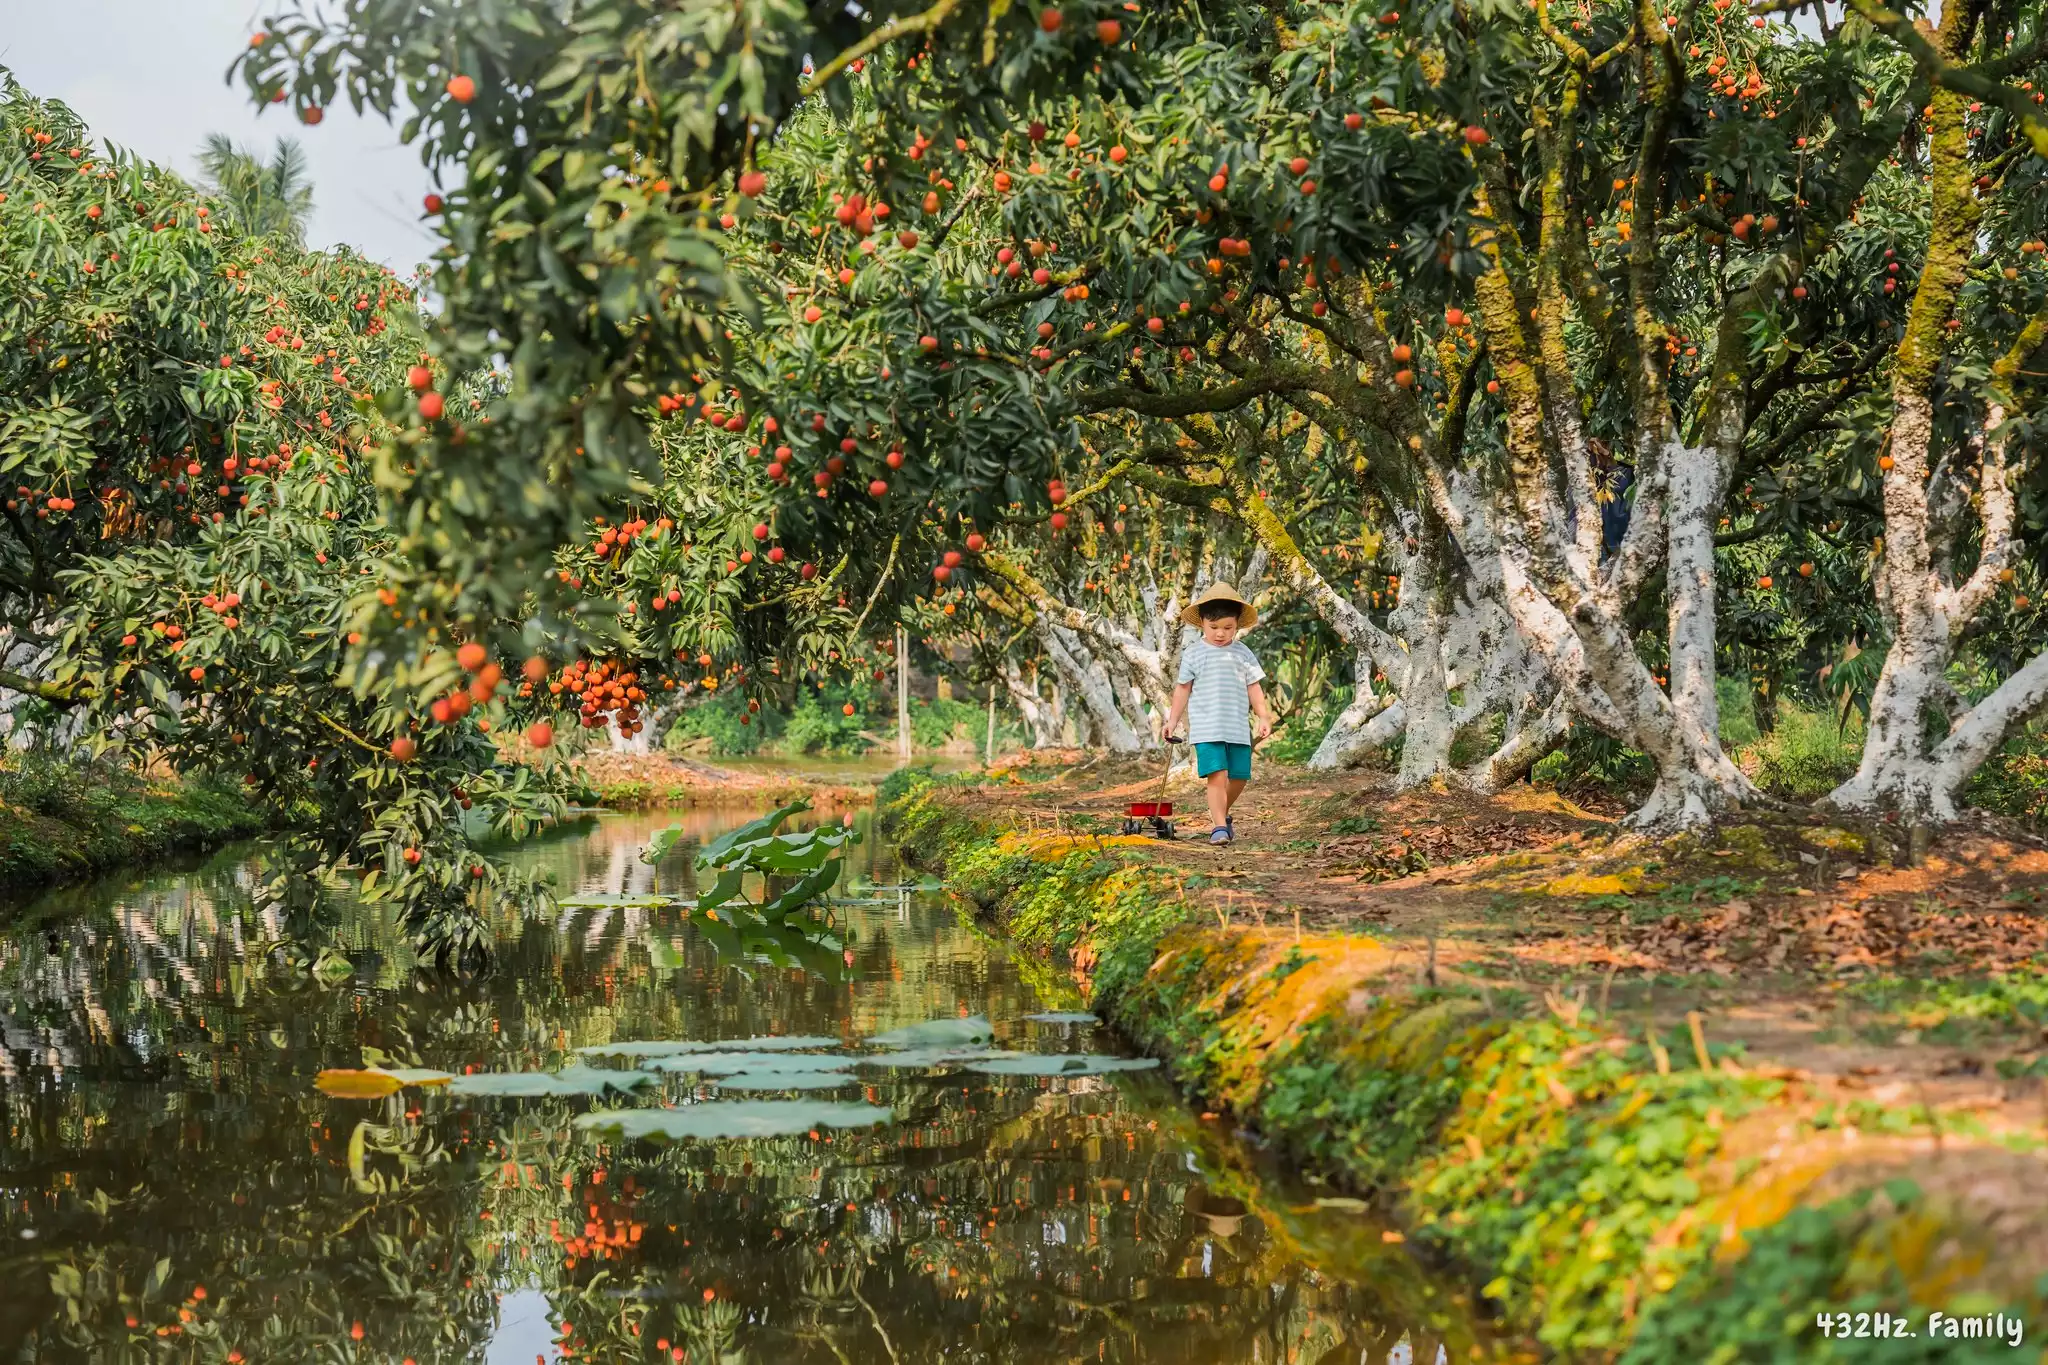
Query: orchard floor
[[1823, 947]]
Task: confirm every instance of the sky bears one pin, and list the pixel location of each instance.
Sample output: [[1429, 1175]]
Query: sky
[[150, 76]]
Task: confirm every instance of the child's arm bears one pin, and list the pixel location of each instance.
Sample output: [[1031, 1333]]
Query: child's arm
[[1177, 714], [1257, 696]]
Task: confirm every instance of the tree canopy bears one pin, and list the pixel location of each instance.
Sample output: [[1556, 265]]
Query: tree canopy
[[1547, 371]]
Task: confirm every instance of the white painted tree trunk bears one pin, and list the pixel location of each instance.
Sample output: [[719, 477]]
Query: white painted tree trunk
[[1531, 733], [1902, 771], [1696, 780], [1086, 681], [1420, 621], [1372, 721], [1041, 718], [1581, 634], [1140, 671], [623, 743]]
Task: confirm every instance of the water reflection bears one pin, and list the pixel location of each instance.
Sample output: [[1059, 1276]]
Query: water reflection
[[176, 1190]]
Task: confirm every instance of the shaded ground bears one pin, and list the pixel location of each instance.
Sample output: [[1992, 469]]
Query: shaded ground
[[1829, 951]]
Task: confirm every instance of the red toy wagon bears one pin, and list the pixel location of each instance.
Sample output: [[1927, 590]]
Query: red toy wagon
[[1154, 817]]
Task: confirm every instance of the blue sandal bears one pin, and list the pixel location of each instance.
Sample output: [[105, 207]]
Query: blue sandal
[[1220, 834]]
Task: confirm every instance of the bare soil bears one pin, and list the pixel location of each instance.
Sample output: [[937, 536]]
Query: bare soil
[[1823, 949], [642, 781]]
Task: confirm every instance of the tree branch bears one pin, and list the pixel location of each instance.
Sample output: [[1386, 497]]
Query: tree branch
[[887, 33], [59, 694]]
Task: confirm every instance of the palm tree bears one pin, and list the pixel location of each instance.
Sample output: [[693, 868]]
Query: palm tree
[[266, 198]]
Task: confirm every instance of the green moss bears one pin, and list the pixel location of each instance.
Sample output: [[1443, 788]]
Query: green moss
[[1580, 1172], [1840, 1258], [61, 819]]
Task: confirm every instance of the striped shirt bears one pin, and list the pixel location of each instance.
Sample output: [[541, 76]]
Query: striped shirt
[[1219, 708]]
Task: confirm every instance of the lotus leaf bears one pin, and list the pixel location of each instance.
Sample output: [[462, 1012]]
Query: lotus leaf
[[733, 1063], [664, 1048], [572, 1080], [786, 1080], [710, 854], [924, 1058], [715, 1119], [724, 889], [1069, 1064], [938, 1032], [806, 889]]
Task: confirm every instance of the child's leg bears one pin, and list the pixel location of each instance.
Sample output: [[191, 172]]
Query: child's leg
[[1239, 770], [1220, 796]]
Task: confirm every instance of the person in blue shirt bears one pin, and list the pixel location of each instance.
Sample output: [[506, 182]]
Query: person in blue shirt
[[1218, 697]]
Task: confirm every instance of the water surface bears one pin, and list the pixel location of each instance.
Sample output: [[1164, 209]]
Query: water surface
[[176, 1189]]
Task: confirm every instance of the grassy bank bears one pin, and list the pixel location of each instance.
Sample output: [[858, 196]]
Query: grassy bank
[[61, 819], [1620, 1193]]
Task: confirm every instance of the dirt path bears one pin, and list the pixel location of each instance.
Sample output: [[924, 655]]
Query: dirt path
[[1826, 950]]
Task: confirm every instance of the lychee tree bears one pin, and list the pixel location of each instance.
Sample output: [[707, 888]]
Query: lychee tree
[[191, 523], [589, 155], [1568, 282], [1536, 252]]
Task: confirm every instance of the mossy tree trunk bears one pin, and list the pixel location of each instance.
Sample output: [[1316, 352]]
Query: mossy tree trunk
[[1922, 744]]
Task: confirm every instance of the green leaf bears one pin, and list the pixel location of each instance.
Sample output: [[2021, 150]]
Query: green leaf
[[717, 1119], [1072, 1064], [661, 843], [786, 1080], [710, 855], [734, 1063], [724, 889], [938, 1032], [925, 1058], [573, 1080], [664, 1048], [804, 891]]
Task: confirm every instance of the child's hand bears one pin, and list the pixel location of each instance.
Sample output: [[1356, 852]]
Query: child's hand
[[1261, 727]]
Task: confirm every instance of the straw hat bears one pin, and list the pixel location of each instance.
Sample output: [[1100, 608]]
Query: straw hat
[[1247, 615]]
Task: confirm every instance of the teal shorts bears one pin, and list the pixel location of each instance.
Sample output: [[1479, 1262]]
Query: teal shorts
[[1235, 759]]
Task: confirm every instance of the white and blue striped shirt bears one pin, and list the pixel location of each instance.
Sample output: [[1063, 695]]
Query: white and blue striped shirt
[[1220, 707]]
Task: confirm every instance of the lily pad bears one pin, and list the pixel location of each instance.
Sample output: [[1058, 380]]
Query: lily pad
[[786, 1080], [733, 1063], [938, 1032], [1063, 1017], [662, 1048], [572, 1080], [715, 1119], [1070, 1064], [924, 1058]]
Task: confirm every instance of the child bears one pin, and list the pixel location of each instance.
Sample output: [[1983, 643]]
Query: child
[[1219, 684]]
